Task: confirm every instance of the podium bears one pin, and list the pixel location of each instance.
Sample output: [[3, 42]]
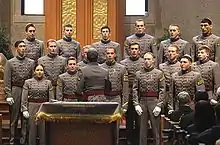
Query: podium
[[80, 123]]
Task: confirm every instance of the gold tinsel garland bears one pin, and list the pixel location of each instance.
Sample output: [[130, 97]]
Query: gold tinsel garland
[[75, 117]]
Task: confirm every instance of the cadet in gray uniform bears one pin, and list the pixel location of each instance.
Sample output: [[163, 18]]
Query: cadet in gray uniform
[[93, 79], [84, 61], [36, 91], [18, 69], [186, 80], [132, 64], [117, 76], [105, 43], [67, 46], [34, 47], [169, 67], [67, 82], [174, 33], [208, 70], [207, 38], [54, 65], [149, 93], [147, 42]]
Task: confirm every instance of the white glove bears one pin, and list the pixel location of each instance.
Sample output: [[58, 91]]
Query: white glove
[[156, 111], [138, 109], [10, 100], [170, 112], [26, 114], [213, 102]]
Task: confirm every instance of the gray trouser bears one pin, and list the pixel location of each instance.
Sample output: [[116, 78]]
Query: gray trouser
[[148, 104], [97, 98], [34, 126], [15, 113], [114, 99]]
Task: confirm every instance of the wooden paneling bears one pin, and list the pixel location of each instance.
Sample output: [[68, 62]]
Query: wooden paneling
[[84, 20]]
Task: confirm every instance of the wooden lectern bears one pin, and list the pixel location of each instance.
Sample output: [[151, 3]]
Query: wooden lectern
[[80, 123]]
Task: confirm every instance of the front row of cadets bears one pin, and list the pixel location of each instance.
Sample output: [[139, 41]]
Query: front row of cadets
[[135, 83]]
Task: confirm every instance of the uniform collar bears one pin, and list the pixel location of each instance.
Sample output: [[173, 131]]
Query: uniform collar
[[139, 35], [105, 41], [20, 57], [68, 39]]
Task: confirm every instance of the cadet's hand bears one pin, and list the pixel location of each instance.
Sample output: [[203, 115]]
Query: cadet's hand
[[138, 109], [213, 102], [156, 111], [10, 100], [170, 112], [26, 114]]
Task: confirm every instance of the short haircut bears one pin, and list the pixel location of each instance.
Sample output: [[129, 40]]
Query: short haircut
[[28, 26], [176, 25], [112, 48], [105, 27], [187, 56], [150, 54], [67, 25], [17, 43], [176, 46], [205, 47], [206, 20], [39, 65], [50, 40], [139, 20], [134, 43], [70, 58]]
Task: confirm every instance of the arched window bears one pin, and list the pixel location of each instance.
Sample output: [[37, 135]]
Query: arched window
[[136, 7], [32, 7]]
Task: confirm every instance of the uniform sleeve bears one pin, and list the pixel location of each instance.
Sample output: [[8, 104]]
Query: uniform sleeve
[[42, 48], [135, 89], [24, 98], [125, 89], [193, 50], [7, 80], [58, 48], [216, 80], [160, 54], [126, 48], [51, 91], [187, 49], [80, 82], [78, 51], [119, 54], [154, 50], [217, 51], [162, 89], [59, 89], [200, 86]]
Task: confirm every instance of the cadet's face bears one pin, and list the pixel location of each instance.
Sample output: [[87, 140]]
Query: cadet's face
[[85, 50], [71, 66], [31, 32], [52, 47], [148, 60], [202, 54], [174, 31], [105, 33], [172, 53], [134, 50], [39, 71], [140, 27], [68, 31], [205, 28], [21, 49], [110, 54], [185, 64]]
